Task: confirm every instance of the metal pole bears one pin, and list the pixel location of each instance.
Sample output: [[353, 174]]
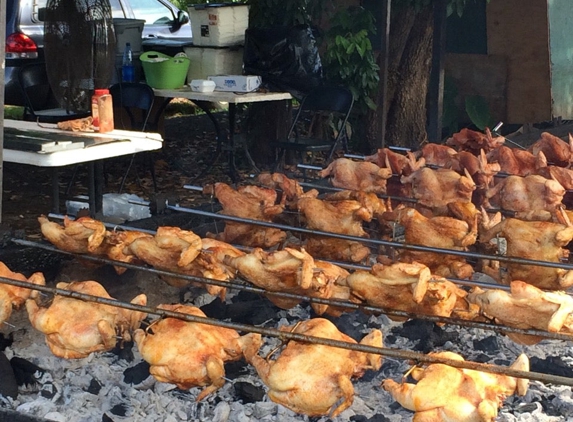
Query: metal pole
[[384, 28], [2, 84]]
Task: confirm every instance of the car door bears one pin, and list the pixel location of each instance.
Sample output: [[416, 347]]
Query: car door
[[162, 19]]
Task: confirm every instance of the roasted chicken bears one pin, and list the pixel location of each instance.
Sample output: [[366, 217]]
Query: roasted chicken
[[437, 232], [447, 394], [13, 297], [191, 354], [514, 161], [474, 141], [313, 379], [530, 198], [75, 328], [527, 307], [405, 287], [386, 158], [250, 202], [118, 249], [557, 151], [290, 189], [357, 175], [84, 235], [536, 240]]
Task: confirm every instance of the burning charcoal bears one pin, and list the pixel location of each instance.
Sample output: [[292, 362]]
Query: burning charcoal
[[347, 324], [553, 365], [25, 371], [94, 387], [123, 350], [215, 309], [136, 374], [48, 390], [119, 409], [235, 369], [249, 393], [254, 312], [429, 334], [488, 345], [6, 341], [376, 418], [106, 418], [481, 358], [9, 385]]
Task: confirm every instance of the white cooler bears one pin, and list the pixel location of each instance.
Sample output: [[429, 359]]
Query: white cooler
[[219, 24], [206, 61]]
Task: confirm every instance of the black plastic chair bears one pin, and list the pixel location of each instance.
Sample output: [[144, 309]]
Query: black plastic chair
[[134, 100], [40, 104], [321, 101]]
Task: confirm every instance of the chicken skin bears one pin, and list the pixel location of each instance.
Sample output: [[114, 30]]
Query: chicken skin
[[191, 354], [530, 198], [436, 188], [386, 158], [474, 141], [13, 297], [313, 379], [537, 240], [557, 151], [250, 202], [527, 307], [337, 216], [447, 394], [513, 161], [290, 189], [75, 328], [437, 232], [287, 270], [118, 250], [405, 287], [84, 235], [357, 175]]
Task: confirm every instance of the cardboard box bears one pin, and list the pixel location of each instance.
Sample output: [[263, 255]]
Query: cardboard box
[[236, 83], [219, 24]]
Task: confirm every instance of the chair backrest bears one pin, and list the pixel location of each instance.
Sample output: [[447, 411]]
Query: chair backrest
[[136, 99], [334, 99], [36, 90]]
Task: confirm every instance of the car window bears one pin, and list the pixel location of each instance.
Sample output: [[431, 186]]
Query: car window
[[116, 9], [152, 11]]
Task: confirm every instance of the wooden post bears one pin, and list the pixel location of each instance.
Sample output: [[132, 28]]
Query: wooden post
[[436, 87]]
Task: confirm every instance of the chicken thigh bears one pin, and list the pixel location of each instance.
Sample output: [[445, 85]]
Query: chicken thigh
[[314, 379], [191, 354], [447, 394], [75, 328]]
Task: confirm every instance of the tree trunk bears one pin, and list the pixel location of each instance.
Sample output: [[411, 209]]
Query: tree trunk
[[409, 62]]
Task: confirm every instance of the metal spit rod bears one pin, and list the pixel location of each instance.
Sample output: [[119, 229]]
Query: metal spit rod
[[331, 302], [398, 245], [286, 335]]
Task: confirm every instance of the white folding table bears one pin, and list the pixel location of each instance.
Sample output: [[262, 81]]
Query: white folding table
[[202, 99], [44, 145]]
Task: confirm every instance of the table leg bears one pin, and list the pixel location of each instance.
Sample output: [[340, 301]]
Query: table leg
[[219, 134], [95, 188], [55, 191], [92, 189]]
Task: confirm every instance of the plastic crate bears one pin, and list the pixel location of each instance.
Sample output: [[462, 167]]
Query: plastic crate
[[219, 24], [163, 71]]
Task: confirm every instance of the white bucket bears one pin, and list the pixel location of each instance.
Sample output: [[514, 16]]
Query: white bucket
[[128, 31]]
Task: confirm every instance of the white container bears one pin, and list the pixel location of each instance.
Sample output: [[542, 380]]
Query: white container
[[207, 61], [219, 25], [202, 85], [128, 31], [115, 205], [236, 83]]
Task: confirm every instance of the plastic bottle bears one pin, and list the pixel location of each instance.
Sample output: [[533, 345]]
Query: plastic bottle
[[127, 68], [102, 111]]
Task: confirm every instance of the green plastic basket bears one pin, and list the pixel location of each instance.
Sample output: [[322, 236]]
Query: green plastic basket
[[163, 71]]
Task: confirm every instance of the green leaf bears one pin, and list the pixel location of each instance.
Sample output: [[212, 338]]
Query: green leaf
[[478, 111]]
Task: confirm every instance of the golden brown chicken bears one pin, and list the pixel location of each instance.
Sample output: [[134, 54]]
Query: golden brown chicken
[[557, 151], [514, 161], [536, 240], [13, 297], [182, 251], [250, 202], [527, 307], [290, 189], [437, 155], [313, 379], [474, 141], [447, 394], [191, 354], [479, 169], [530, 198], [437, 232], [357, 175], [75, 328], [436, 188], [405, 287], [563, 175], [386, 158], [84, 235], [118, 249], [340, 216]]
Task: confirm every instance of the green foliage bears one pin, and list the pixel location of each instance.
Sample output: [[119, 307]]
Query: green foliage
[[348, 59], [13, 112], [478, 111]]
